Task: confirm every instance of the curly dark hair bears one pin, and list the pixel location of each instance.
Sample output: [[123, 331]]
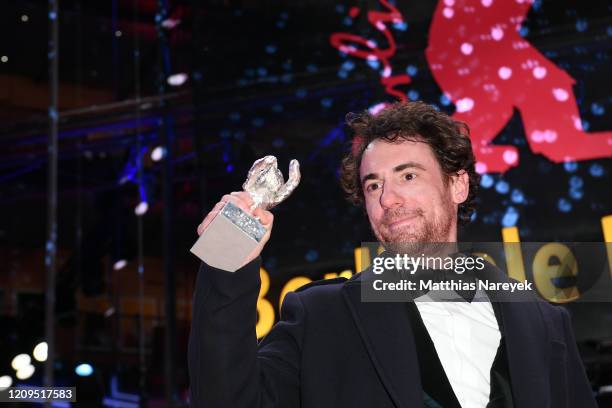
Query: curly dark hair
[[449, 139]]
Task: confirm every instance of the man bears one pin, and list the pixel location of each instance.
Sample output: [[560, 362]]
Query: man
[[412, 168]]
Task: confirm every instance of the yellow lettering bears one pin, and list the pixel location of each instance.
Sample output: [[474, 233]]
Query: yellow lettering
[[606, 225], [514, 254], [347, 273], [544, 272], [362, 258], [265, 311], [291, 286]]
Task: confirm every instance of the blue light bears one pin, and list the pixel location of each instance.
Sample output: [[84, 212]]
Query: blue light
[[523, 31], [517, 196], [312, 255], [570, 166], [347, 21], [413, 95], [301, 93], [510, 217], [564, 205], [271, 49], [536, 5], [582, 25], [400, 25], [585, 124], [327, 102], [486, 181], [312, 68], [262, 71], [575, 193], [596, 170], [373, 63], [348, 65], [83, 370], [576, 182], [444, 100], [502, 187], [411, 70], [597, 109]]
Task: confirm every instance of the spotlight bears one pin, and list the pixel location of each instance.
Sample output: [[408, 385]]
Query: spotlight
[[141, 208], [5, 382], [158, 153], [20, 361], [120, 264], [177, 79], [170, 23], [40, 351], [25, 372], [4, 58], [83, 370], [25, 18], [109, 312], [377, 108]]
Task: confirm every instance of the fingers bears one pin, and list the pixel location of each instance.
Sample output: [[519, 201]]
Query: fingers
[[244, 196], [240, 199], [209, 217], [266, 218]]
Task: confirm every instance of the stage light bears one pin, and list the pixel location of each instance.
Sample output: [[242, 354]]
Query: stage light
[[158, 153], [177, 79], [25, 372], [120, 264], [170, 23], [377, 108], [118, 33], [109, 312], [40, 351], [5, 382], [25, 18], [20, 361], [83, 370], [141, 208], [4, 58]]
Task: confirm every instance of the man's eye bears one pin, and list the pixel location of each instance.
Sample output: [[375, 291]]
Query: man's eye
[[372, 187], [409, 176]]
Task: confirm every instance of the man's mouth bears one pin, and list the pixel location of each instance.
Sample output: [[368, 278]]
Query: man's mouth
[[401, 221]]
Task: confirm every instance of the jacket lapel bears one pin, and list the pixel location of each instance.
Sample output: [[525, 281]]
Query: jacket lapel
[[387, 335], [526, 340]]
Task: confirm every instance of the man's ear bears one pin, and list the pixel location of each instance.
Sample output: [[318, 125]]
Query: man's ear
[[460, 186]]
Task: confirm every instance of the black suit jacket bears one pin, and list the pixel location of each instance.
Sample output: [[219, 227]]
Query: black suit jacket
[[329, 349]]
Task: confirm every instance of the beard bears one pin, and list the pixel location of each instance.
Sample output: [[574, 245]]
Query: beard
[[422, 235]]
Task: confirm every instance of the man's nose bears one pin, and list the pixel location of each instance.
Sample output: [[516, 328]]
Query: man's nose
[[390, 197]]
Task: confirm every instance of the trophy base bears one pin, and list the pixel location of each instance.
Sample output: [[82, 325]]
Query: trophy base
[[229, 239]]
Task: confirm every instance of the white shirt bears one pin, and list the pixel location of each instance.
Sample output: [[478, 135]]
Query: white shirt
[[466, 337]]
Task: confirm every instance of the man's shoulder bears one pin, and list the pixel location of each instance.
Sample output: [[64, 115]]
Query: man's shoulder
[[326, 286], [334, 284]]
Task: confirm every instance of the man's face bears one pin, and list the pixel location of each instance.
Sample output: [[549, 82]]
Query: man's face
[[406, 196]]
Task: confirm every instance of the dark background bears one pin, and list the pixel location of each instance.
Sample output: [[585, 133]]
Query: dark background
[[263, 79]]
